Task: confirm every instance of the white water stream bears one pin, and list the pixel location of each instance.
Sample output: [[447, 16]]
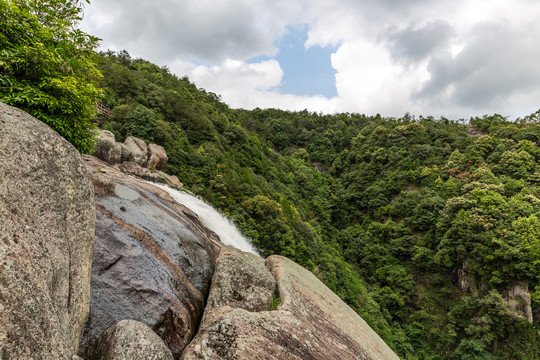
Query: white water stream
[[212, 219]]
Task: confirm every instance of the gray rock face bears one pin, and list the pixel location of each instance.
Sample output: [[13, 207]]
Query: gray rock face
[[109, 150], [46, 235], [157, 157], [152, 261], [464, 278], [310, 323], [129, 340], [240, 281], [137, 149], [519, 300]]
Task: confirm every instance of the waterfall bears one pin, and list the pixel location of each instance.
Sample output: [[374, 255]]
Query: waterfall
[[212, 219]]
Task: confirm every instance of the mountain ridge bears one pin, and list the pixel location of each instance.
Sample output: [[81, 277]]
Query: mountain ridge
[[394, 208]]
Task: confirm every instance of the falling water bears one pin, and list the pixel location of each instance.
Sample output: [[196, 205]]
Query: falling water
[[212, 219]]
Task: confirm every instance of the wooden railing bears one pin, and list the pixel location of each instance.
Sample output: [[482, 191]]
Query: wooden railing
[[104, 110]]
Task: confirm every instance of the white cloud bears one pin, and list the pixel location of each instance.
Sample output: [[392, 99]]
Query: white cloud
[[250, 85], [369, 82], [429, 57], [208, 31], [496, 64], [238, 75]]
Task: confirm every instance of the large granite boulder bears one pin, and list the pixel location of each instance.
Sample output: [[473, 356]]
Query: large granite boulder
[[46, 235], [138, 150], [310, 323], [129, 340], [157, 157], [107, 149], [240, 280], [152, 261]]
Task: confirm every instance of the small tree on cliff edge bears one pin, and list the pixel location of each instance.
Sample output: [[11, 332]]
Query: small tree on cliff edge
[[46, 66]]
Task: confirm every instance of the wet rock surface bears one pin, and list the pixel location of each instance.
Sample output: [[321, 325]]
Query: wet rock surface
[[310, 323], [128, 339], [46, 235], [152, 260]]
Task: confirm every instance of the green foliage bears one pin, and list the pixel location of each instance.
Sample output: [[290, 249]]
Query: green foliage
[[261, 207], [276, 301], [47, 67], [389, 213], [386, 212]]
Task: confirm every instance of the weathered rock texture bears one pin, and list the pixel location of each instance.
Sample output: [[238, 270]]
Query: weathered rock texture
[[157, 157], [240, 281], [132, 168], [310, 323], [109, 150], [136, 158], [138, 150], [46, 236], [519, 301], [152, 261], [129, 340]]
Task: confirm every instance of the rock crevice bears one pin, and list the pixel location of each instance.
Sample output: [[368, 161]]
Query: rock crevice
[[311, 322], [135, 157]]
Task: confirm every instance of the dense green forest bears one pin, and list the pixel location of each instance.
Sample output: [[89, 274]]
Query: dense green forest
[[47, 68], [422, 225]]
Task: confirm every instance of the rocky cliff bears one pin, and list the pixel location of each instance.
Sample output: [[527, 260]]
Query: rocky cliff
[[46, 236], [153, 267], [310, 322]]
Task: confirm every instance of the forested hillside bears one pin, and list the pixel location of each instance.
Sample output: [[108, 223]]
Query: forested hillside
[[422, 225], [429, 228]]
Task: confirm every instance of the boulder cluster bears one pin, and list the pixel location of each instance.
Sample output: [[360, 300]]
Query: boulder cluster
[[135, 157], [150, 156], [276, 309]]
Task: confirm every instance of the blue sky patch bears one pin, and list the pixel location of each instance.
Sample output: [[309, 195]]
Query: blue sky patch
[[306, 72]]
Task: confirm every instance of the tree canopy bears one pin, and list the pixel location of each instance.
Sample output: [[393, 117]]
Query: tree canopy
[[387, 212], [423, 226], [47, 66]]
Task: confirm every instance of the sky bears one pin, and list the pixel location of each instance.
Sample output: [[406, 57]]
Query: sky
[[456, 59]]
